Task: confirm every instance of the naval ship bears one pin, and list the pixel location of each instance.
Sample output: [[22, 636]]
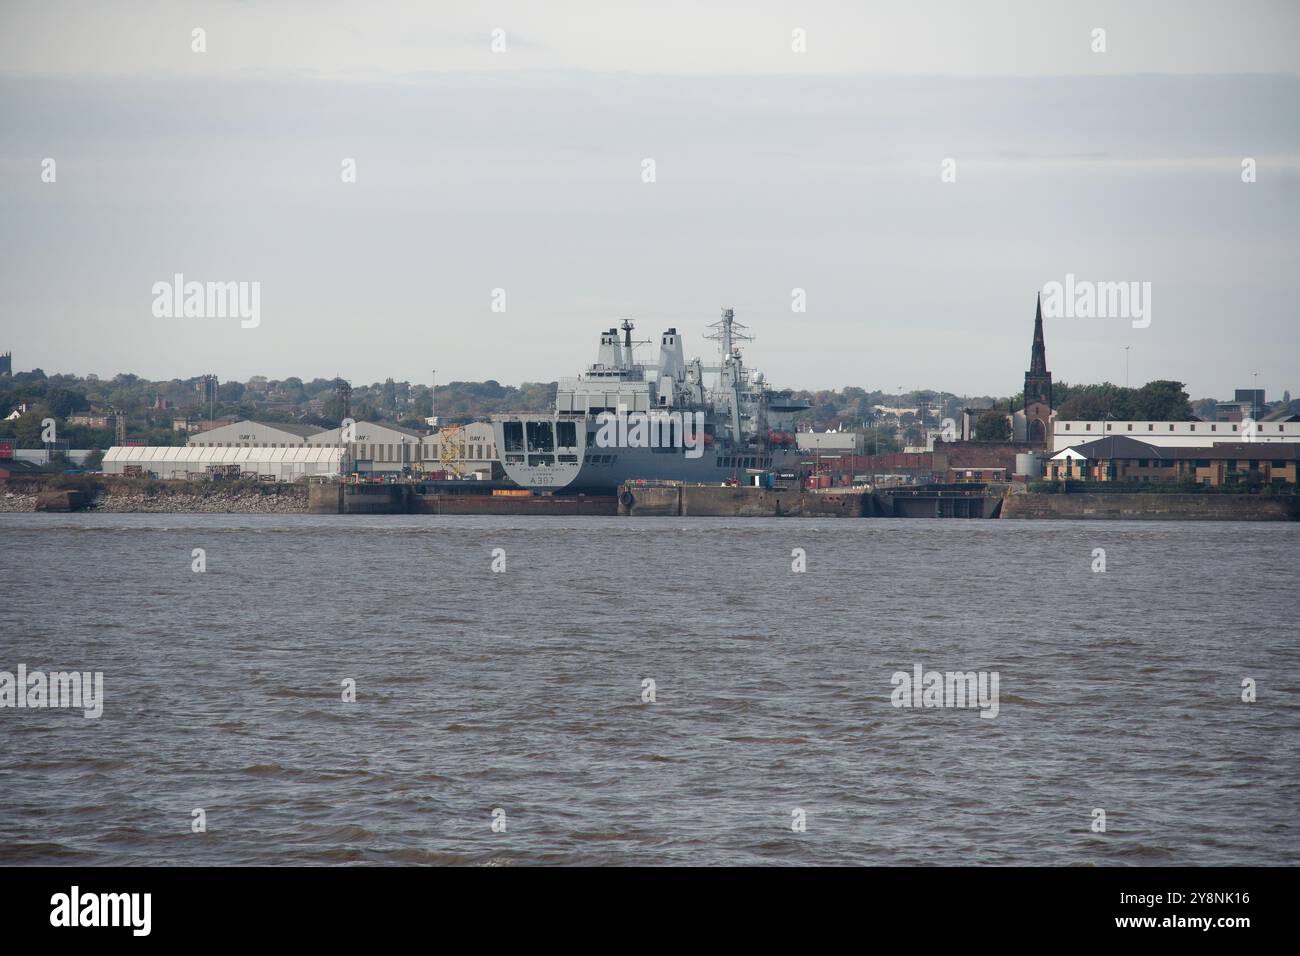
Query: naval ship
[[705, 423]]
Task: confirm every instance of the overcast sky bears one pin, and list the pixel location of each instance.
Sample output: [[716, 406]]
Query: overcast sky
[[775, 170]]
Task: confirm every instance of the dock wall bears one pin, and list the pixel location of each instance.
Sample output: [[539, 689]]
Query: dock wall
[[716, 501], [1154, 506], [335, 499]]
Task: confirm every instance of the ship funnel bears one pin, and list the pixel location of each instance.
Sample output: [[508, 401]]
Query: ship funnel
[[672, 361], [611, 351]]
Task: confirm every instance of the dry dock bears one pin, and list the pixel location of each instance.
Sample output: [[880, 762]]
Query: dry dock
[[718, 501], [724, 501], [398, 499]]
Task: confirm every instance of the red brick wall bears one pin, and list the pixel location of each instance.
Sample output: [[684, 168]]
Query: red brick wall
[[971, 454]]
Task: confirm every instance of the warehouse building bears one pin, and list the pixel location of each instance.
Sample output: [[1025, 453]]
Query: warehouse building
[[189, 462], [375, 448], [1120, 458], [1173, 434], [462, 449], [250, 434], [844, 443]]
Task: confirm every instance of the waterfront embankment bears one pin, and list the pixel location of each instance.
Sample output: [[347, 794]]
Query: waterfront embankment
[[130, 496], [125, 496], [1154, 506]]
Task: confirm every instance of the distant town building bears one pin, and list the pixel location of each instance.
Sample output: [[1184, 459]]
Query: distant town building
[[848, 443], [1252, 397], [1173, 434], [932, 435], [93, 419], [1120, 458], [1246, 403], [191, 425], [1233, 411], [207, 386], [895, 412], [6, 363]]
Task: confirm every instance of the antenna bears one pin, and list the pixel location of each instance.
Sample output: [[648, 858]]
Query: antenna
[[627, 328], [728, 331]]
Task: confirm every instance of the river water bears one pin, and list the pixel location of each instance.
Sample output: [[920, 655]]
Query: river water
[[517, 696]]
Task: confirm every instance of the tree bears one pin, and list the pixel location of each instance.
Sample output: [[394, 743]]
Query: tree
[[1156, 401], [63, 402], [1162, 401], [992, 425], [882, 439]]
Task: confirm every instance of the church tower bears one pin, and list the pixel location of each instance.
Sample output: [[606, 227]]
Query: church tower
[[1038, 388]]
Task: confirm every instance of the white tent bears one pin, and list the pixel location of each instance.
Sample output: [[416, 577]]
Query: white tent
[[187, 461]]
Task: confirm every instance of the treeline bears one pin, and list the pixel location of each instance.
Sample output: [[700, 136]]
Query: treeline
[[1160, 401], [151, 406], [853, 407]]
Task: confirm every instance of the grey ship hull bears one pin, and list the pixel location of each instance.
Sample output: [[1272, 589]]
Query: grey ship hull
[[601, 470], [642, 464]]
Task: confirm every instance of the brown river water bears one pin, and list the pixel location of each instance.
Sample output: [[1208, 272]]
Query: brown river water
[[516, 697]]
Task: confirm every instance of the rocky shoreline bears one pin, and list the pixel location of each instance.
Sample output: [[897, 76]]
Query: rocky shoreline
[[16, 502], [280, 503], [275, 499]]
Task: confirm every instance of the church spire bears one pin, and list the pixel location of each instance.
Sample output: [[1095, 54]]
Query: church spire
[[1038, 357]]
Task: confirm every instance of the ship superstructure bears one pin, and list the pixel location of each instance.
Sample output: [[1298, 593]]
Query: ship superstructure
[[707, 423]]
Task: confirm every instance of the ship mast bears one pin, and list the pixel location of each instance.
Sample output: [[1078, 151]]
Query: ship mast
[[728, 331]]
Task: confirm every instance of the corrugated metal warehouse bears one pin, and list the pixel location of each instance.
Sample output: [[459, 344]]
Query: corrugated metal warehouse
[[375, 447], [469, 448], [188, 461], [250, 434]]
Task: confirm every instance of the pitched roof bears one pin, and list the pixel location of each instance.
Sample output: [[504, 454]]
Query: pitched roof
[[19, 464], [1273, 450], [1120, 446], [293, 428]]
